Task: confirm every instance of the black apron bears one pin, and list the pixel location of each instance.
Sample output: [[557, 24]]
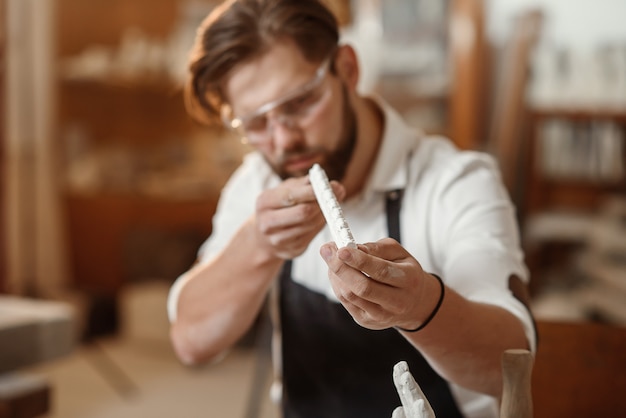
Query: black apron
[[334, 368]]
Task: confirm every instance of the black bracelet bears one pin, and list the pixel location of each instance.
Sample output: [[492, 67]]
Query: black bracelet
[[434, 312]]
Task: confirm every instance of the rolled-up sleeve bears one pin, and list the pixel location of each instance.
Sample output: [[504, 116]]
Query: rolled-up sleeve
[[478, 237]]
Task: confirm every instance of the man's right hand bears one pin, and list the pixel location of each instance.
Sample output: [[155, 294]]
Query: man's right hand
[[288, 216]]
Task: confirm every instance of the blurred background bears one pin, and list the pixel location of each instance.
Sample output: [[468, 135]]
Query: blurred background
[[108, 187]]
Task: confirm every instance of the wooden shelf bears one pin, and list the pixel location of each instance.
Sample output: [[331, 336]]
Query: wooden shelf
[[585, 193], [141, 114], [114, 238], [553, 195], [617, 115]]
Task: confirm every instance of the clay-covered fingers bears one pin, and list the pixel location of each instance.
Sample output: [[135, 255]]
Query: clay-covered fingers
[[386, 248], [362, 297], [305, 215], [338, 190], [379, 293], [288, 217], [384, 261], [289, 193]]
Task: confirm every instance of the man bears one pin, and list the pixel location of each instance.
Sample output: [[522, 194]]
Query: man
[[440, 293]]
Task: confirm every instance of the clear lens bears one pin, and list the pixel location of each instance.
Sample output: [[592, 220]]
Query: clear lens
[[288, 110]]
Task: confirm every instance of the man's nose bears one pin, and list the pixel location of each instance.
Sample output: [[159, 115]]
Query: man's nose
[[286, 133]]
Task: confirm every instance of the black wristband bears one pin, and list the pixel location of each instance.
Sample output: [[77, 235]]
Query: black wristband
[[434, 312]]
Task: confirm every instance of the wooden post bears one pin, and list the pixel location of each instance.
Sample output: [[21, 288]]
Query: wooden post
[[517, 400]]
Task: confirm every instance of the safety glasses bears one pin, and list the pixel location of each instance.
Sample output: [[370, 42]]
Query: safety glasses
[[290, 110]]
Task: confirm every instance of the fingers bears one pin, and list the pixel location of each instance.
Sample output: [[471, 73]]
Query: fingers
[[288, 217], [364, 312], [290, 204], [306, 215], [289, 231], [289, 193], [378, 293], [365, 299], [339, 190], [386, 249], [385, 262]]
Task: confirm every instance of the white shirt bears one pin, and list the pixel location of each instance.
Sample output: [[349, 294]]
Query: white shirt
[[456, 219]]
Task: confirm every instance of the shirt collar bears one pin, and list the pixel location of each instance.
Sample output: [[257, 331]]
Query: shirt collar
[[390, 170]]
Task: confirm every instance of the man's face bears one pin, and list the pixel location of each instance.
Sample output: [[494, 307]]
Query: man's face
[[294, 112]]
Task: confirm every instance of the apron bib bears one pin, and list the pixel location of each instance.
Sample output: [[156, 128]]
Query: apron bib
[[334, 368]]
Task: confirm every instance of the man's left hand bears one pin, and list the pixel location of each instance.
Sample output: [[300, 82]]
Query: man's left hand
[[380, 284]]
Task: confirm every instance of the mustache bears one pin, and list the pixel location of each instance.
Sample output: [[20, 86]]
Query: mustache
[[303, 152]]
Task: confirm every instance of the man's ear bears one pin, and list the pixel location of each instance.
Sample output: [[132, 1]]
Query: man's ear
[[347, 66]]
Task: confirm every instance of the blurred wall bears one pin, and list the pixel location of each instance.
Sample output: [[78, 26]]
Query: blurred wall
[[583, 23]]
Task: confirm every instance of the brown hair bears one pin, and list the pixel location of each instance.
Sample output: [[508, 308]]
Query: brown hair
[[240, 30]]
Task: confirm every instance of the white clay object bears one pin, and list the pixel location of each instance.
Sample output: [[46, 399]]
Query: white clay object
[[339, 228], [414, 402]]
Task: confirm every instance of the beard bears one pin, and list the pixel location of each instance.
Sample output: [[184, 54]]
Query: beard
[[334, 162]]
